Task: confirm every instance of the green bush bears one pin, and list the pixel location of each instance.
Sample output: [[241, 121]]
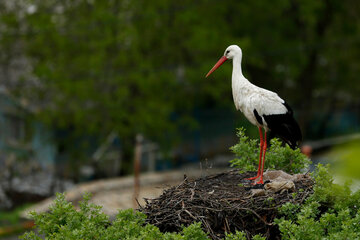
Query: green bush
[[241, 236], [64, 222], [332, 212], [277, 156]]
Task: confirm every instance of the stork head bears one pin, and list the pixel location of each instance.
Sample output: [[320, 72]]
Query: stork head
[[231, 52]]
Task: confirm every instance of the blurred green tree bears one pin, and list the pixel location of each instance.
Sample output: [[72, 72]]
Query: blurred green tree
[[139, 66]]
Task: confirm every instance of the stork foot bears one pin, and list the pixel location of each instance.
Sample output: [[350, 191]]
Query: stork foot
[[260, 182], [253, 178]]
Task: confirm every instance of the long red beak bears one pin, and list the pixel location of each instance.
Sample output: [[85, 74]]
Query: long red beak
[[218, 64]]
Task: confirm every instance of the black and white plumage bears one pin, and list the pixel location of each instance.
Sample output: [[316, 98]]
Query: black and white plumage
[[285, 127], [263, 108]]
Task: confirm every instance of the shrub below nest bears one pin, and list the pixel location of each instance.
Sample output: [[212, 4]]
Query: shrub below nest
[[222, 205]]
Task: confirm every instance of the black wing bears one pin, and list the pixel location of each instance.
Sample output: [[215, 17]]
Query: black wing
[[285, 127]]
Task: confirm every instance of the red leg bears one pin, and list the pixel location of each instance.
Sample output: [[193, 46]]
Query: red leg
[[263, 163], [260, 155]]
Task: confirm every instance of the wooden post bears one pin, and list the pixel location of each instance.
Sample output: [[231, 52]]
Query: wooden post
[[137, 161]]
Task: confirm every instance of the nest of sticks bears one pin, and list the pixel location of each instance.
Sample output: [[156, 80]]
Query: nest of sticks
[[223, 203]]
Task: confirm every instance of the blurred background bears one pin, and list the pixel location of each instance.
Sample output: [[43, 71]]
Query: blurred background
[[80, 79]]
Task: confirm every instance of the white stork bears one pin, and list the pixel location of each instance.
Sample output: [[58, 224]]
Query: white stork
[[261, 107]]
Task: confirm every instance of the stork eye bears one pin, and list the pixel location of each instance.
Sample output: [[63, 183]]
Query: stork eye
[[227, 52]]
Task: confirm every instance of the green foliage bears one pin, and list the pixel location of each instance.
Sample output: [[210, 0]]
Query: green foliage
[[13, 216], [246, 151], [63, 221], [285, 158], [332, 212], [236, 236], [128, 66], [277, 156], [241, 236], [258, 237], [349, 153]]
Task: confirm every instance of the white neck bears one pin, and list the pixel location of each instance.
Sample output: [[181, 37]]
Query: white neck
[[240, 85], [237, 66], [237, 74]]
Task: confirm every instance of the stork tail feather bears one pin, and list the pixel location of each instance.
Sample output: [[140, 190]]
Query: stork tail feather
[[285, 127]]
